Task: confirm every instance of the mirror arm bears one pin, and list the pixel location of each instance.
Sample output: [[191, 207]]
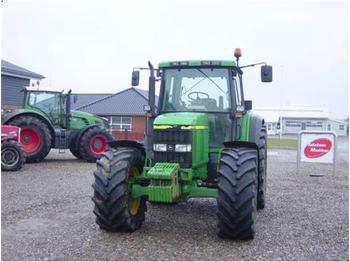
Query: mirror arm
[[261, 63]]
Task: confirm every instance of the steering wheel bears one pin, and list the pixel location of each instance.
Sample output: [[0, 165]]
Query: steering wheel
[[198, 93]]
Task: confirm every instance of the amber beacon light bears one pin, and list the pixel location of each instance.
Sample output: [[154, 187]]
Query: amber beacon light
[[238, 53]]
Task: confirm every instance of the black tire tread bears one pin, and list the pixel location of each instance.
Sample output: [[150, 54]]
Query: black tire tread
[[237, 193], [110, 191], [262, 169]]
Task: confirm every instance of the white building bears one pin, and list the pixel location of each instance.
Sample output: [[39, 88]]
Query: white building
[[290, 120]]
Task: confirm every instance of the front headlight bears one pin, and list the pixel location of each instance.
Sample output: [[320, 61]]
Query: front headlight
[[159, 147], [183, 148]]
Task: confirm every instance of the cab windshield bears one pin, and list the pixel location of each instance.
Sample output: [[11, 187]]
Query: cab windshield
[[47, 102], [196, 89]]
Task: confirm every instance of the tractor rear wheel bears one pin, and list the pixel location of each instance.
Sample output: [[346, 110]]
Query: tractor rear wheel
[[237, 198], [262, 169], [93, 143], [12, 155], [115, 209], [35, 137]]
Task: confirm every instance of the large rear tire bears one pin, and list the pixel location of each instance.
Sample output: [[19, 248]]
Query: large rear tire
[[262, 169], [237, 193], [115, 209], [35, 137], [12, 156], [93, 143]]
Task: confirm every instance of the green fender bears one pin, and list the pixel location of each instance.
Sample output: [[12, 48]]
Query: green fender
[[251, 125]]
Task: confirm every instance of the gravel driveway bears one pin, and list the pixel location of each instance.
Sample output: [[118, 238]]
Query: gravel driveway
[[47, 214]]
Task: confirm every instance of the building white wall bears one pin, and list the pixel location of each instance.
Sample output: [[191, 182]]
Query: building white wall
[[339, 127], [295, 119]]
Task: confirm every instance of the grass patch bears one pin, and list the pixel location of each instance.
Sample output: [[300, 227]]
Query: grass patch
[[284, 143]]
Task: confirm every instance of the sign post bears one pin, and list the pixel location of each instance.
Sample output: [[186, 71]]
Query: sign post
[[316, 147]]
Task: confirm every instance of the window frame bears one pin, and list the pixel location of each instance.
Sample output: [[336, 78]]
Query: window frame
[[113, 125]]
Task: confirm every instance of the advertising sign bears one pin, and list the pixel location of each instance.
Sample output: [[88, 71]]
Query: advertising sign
[[316, 147]]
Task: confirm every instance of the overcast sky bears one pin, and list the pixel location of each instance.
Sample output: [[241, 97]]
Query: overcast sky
[[92, 46]]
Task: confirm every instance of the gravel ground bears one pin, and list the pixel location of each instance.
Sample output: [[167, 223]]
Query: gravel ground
[[47, 214]]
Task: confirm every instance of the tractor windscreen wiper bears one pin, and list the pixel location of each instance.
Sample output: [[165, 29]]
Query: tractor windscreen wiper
[[211, 80]]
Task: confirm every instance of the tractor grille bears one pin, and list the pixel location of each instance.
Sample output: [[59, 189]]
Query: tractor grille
[[171, 137]]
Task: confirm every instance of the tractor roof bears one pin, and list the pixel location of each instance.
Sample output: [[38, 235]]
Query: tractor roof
[[195, 63]]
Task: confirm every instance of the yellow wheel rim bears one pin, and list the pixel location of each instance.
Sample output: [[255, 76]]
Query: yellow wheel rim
[[134, 203]]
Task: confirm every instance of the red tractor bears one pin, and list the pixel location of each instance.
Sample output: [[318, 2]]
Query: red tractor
[[12, 155]]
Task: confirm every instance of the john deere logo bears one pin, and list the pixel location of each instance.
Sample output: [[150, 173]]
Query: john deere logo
[[170, 147]]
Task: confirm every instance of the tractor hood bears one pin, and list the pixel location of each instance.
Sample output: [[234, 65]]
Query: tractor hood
[[181, 119], [91, 119]]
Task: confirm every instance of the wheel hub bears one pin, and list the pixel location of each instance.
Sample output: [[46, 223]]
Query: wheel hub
[[30, 139], [98, 144], [26, 139], [134, 203], [9, 157]]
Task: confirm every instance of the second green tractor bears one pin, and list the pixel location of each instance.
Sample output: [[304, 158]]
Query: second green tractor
[[47, 121], [201, 141]]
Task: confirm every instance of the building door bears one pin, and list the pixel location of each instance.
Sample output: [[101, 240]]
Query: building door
[[303, 126]]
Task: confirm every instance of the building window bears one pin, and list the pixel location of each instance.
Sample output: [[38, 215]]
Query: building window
[[292, 123], [329, 127], [120, 122], [341, 127], [314, 124]]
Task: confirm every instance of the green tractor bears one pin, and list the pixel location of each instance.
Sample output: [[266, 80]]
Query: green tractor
[[46, 122], [201, 141]]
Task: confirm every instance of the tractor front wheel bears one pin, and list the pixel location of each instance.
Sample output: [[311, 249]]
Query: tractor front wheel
[[93, 143], [75, 151], [35, 137], [237, 198], [115, 209], [12, 156]]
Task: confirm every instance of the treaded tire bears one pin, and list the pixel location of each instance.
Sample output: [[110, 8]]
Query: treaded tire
[[237, 194], [16, 150], [111, 190], [45, 136], [262, 168], [75, 151], [84, 149]]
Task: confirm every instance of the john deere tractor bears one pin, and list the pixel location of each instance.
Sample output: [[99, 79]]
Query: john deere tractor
[[46, 122], [201, 141]]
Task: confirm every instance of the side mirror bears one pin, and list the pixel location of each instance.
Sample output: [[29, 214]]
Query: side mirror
[[75, 98], [135, 78], [266, 73], [248, 105]]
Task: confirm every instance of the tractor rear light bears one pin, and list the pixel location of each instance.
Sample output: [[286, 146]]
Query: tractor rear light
[[159, 147], [183, 148]]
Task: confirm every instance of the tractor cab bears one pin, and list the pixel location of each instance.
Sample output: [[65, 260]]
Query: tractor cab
[[203, 87], [50, 103]]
